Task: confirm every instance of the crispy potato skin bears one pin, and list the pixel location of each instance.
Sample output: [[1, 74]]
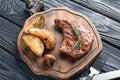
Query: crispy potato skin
[[34, 43], [37, 22], [36, 37], [47, 37]]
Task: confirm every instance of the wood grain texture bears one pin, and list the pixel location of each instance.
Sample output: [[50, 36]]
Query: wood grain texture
[[114, 58], [13, 12], [65, 67], [109, 8]]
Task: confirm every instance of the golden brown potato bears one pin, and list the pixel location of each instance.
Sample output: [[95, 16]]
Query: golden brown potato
[[37, 22], [34, 43], [50, 59], [50, 43], [47, 37]]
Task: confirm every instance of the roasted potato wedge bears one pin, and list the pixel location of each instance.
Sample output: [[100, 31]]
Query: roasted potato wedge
[[34, 43], [37, 22], [47, 37]]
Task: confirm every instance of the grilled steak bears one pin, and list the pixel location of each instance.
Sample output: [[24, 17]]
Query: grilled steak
[[70, 38]]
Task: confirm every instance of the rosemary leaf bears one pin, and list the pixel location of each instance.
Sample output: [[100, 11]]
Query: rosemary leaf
[[76, 45], [77, 32], [79, 41]]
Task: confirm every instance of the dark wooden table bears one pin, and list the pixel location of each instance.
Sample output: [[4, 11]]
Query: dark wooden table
[[105, 14]]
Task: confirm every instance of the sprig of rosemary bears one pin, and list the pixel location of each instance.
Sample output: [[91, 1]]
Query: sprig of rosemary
[[79, 41]]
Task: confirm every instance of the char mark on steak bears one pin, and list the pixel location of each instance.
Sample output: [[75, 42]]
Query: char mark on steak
[[70, 38]]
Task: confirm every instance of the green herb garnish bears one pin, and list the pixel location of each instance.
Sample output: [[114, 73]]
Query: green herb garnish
[[79, 41], [76, 31], [40, 22], [41, 18]]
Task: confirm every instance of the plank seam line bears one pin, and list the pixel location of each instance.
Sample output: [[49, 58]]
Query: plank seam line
[[96, 11], [11, 21]]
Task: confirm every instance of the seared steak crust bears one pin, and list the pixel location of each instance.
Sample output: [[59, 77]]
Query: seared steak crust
[[70, 38]]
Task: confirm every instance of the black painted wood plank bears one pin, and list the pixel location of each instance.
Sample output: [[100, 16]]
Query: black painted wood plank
[[109, 29], [11, 64], [113, 61], [109, 8], [14, 11], [8, 36]]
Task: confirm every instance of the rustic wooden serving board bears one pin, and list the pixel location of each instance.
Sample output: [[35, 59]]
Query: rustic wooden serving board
[[65, 67]]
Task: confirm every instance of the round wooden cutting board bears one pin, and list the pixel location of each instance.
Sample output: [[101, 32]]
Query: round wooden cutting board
[[65, 67]]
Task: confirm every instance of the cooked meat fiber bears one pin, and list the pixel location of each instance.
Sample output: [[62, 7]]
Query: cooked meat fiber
[[70, 39]]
